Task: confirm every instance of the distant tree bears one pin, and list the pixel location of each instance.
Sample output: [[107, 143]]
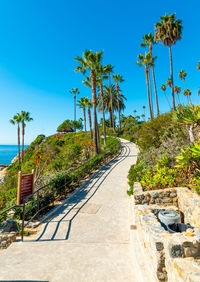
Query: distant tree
[[82, 103], [187, 93], [70, 126], [182, 74], [109, 70], [148, 40], [177, 90], [17, 120], [147, 61], [118, 78], [75, 92]]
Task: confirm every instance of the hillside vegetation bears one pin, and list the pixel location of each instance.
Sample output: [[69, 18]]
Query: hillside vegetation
[[52, 157], [167, 156]]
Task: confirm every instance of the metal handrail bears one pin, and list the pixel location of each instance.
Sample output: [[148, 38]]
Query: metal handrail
[[63, 177]]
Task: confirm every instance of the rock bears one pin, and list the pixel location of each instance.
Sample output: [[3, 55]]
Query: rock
[[159, 246], [172, 195], [3, 244], [175, 251], [9, 226]]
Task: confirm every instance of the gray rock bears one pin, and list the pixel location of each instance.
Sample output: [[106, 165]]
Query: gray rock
[[175, 251], [159, 246], [172, 195], [9, 226], [3, 244]]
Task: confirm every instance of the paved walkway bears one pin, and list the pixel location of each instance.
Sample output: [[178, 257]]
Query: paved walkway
[[87, 239]]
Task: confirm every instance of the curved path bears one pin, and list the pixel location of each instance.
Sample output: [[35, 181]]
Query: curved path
[[87, 239]]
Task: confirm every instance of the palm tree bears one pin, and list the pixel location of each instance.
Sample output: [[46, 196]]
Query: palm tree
[[25, 117], [148, 40], [90, 61], [109, 70], [182, 74], [118, 78], [163, 88], [177, 90], [82, 103], [17, 120], [134, 113], [101, 77], [88, 103], [107, 100], [75, 92], [187, 93], [169, 30], [146, 61]]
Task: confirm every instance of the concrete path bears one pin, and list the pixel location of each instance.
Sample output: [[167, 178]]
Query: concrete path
[[87, 239]]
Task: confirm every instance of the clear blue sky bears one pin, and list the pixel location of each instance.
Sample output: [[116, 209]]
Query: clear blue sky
[[39, 40]]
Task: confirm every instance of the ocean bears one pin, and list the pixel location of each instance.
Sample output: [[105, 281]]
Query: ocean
[[7, 153]]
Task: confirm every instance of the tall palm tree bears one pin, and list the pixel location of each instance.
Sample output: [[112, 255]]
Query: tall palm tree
[[187, 93], [146, 61], [25, 117], [169, 30], [163, 88], [182, 74], [75, 92], [88, 103], [148, 40], [118, 78], [17, 120], [82, 103], [177, 90], [90, 62], [109, 70], [102, 75]]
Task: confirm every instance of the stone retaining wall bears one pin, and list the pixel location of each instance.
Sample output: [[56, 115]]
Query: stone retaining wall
[[175, 257]]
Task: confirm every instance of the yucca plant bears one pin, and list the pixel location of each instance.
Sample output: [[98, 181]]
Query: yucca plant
[[189, 116]]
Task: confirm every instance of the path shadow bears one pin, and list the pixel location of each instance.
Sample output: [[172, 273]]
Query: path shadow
[[81, 197]]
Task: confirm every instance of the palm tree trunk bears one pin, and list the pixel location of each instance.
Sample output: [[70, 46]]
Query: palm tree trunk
[[168, 101], [154, 81], [179, 99], [185, 84], [97, 128], [104, 127], [90, 122], [93, 83], [75, 109], [147, 81], [155, 90], [111, 101], [172, 79], [151, 98], [117, 90], [110, 118], [84, 118], [23, 133], [18, 135]]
